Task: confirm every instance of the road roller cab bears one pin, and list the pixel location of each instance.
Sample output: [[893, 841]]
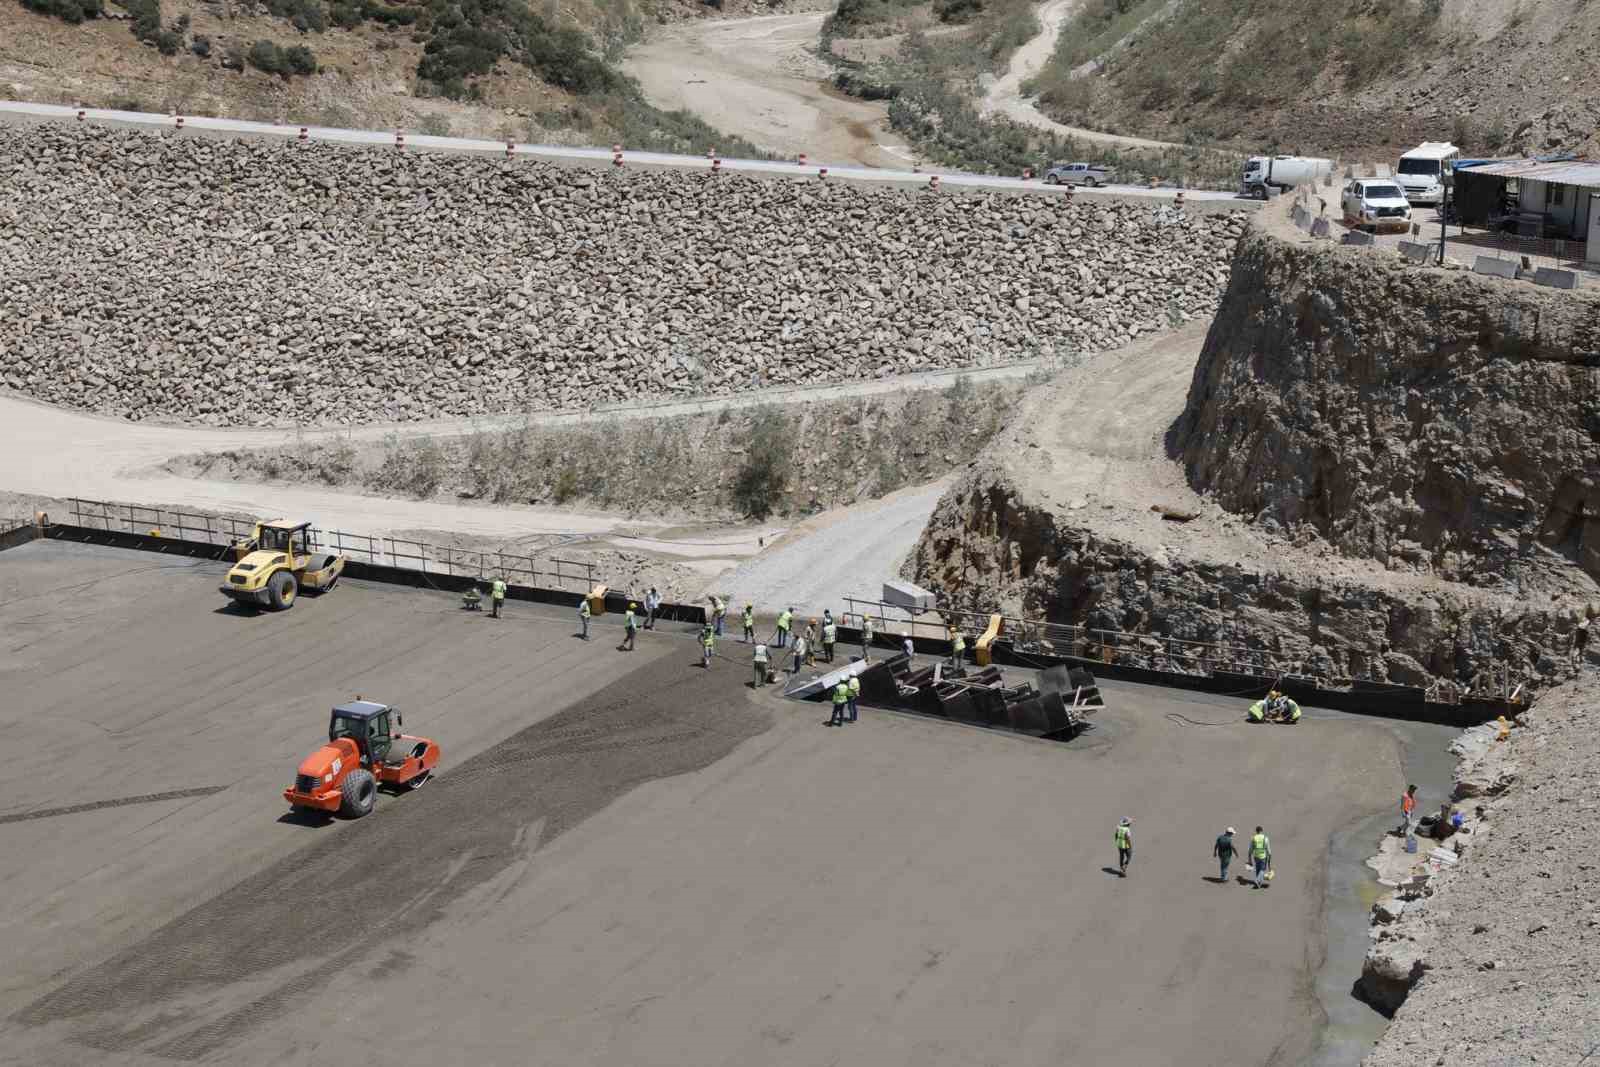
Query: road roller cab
[[364, 750], [277, 563]]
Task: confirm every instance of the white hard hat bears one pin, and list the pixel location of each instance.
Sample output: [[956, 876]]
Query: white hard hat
[[1230, 829]]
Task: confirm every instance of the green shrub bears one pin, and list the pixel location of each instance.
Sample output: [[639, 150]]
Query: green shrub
[[769, 452], [300, 60], [304, 15], [168, 43], [957, 10], [266, 56], [72, 11]]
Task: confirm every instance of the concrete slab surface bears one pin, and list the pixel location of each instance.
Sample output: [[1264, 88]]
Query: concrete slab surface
[[625, 860]]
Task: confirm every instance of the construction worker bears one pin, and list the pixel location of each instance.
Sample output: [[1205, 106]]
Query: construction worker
[[1225, 850], [1124, 845], [1408, 811], [761, 665], [958, 646], [785, 620], [830, 634], [1258, 711], [718, 611], [1261, 857], [749, 623], [855, 695], [909, 647], [630, 625], [584, 611], [708, 641], [799, 654], [811, 643], [652, 605], [866, 639], [1288, 711], [841, 697], [497, 595]]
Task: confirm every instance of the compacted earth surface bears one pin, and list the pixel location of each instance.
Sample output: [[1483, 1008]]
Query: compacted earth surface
[[625, 858]]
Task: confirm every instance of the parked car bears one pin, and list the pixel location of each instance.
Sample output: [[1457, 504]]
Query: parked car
[[1090, 174], [1375, 204]]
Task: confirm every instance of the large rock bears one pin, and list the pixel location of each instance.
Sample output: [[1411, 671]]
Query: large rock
[[1418, 418], [1391, 968]]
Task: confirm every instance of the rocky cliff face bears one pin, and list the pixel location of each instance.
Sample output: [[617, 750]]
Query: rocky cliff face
[[1388, 474], [1417, 417], [990, 543]]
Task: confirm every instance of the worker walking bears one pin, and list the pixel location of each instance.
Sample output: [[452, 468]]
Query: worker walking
[[1261, 857], [1408, 811], [1124, 845], [761, 665], [749, 623], [830, 634], [708, 641], [584, 611], [799, 654], [866, 639], [1225, 850], [855, 695], [630, 626], [841, 697], [497, 595], [785, 620], [652, 605]]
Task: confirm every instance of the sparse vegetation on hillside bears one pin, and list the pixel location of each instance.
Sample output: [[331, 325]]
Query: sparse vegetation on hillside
[[752, 462], [1213, 68]]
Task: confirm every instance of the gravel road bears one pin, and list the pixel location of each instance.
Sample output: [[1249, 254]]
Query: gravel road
[[848, 551], [1005, 97]]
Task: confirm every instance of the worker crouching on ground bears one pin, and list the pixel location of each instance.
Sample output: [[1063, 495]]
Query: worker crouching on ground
[[749, 623], [497, 596], [761, 665], [708, 642], [1258, 711], [1286, 711]]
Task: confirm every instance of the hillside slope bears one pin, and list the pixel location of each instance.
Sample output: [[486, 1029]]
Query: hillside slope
[[490, 68], [1334, 76]]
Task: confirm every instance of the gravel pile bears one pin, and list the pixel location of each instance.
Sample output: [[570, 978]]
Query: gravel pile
[[1503, 946], [230, 282]]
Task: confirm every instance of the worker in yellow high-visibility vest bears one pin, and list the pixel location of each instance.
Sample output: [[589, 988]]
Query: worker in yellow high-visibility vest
[[1261, 857], [1124, 838]]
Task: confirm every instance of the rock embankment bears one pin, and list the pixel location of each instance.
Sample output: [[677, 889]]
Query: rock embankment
[[1494, 960], [237, 282], [1427, 419]]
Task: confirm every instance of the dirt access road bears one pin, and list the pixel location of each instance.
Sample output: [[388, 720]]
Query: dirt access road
[[1005, 97], [644, 863], [760, 78]]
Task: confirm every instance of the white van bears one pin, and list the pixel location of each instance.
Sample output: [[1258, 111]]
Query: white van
[[1422, 171]]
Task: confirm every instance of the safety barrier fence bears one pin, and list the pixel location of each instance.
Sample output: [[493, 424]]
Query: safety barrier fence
[[1171, 655], [575, 576]]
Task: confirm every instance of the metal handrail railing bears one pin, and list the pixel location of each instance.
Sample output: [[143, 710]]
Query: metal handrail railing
[[575, 575]]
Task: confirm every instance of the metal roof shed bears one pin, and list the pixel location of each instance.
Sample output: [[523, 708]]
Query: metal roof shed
[[1565, 191]]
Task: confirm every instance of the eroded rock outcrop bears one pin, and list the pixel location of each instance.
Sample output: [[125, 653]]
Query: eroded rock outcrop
[[1427, 418]]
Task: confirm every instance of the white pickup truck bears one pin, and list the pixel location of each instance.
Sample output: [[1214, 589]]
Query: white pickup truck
[[1090, 174]]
